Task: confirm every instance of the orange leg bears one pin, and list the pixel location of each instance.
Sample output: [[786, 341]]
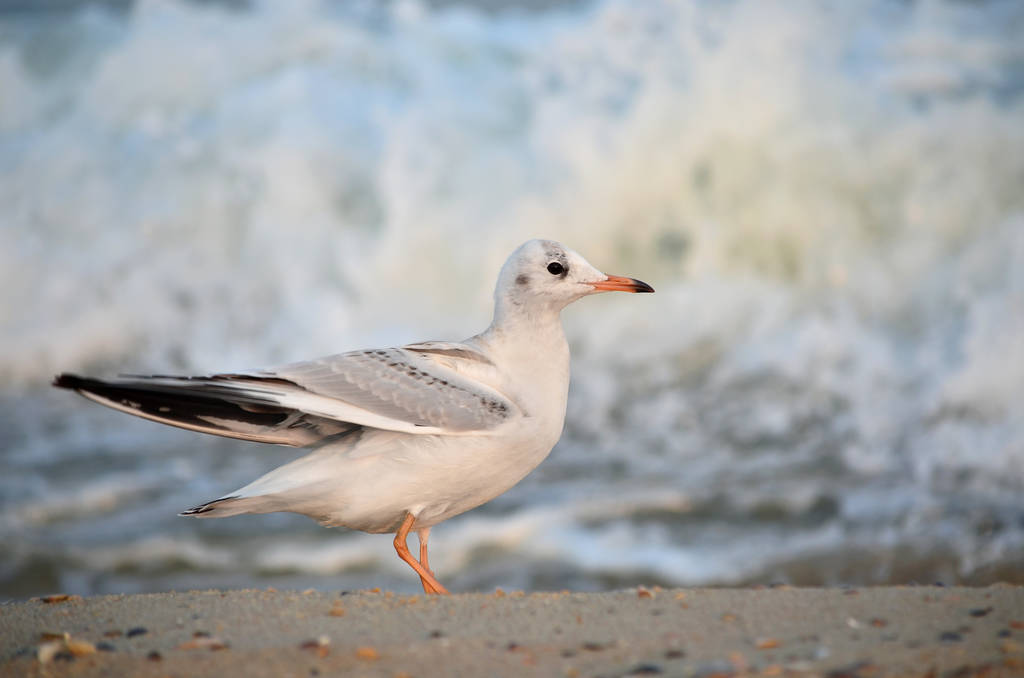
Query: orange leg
[[424, 534], [430, 585]]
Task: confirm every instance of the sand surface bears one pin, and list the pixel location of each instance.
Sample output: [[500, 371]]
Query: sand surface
[[887, 631]]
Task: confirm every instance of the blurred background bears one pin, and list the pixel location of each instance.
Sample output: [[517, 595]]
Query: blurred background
[[828, 196]]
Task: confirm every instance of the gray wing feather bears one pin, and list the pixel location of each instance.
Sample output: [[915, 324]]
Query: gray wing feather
[[404, 385]]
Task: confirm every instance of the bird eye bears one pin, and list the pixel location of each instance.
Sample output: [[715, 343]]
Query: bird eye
[[555, 268]]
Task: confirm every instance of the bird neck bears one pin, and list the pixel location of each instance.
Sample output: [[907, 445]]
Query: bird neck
[[533, 348], [531, 328]]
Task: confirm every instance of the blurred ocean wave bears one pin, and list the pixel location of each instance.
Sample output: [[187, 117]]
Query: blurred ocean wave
[[827, 196]]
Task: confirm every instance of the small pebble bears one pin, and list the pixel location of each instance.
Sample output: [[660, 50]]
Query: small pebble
[[79, 647], [1010, 647], [154, 656], [436, 634], [112, 633], [980, 612], [367, 653], [137, 631], [321, 645], [1004, 633], [645, 670], [47, 651], [766, 643], [593, 647], [203, 643], [857, 670], [105, 647], [59, 598], [950, 637], [674, 654]]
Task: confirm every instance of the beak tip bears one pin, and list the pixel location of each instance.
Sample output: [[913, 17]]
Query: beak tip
[[615, 283]]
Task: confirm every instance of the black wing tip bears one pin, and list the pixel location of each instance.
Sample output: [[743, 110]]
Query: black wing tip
[[67, 380], [74, 381]]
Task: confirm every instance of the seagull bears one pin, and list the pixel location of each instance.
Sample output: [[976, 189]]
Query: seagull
[[399, 439]]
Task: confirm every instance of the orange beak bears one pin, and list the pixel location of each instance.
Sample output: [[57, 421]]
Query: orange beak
[[616, 283]]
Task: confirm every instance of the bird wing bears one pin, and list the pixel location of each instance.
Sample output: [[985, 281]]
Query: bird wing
[[403, 389], [397, 389]]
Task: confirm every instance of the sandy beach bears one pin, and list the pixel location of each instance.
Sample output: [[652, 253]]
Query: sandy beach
[[886, 631]]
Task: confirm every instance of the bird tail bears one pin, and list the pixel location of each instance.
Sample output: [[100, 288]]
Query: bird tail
[[226, 507], [308, 485]]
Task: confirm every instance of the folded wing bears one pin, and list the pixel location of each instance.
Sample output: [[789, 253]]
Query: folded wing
[[302, 403]]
